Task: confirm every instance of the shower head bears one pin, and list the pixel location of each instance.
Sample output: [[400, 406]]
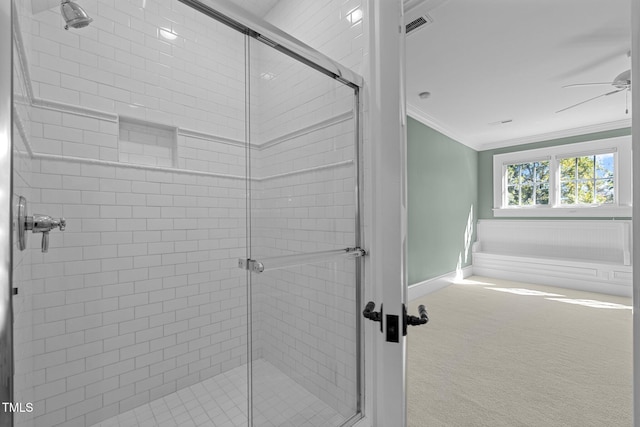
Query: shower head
[[74, 15]]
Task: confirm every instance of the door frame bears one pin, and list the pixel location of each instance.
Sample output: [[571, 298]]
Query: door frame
[[385, 207], [6, 171]]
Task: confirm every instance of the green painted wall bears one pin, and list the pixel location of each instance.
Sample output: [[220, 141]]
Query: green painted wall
[[485, 167], [442, 191]]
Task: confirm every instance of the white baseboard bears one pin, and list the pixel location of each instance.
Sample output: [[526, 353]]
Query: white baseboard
[[602, 278], [420, 289]]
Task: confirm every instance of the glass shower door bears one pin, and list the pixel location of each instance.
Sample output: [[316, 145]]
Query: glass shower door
[[304, 255]]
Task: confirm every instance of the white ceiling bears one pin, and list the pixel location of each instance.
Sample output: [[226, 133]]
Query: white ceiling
[[493, 60]]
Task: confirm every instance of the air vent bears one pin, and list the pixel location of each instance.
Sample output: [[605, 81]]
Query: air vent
[[418, 23], [415, 24]]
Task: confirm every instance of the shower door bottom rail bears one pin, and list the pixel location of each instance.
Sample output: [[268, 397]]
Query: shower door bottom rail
[[284, 261]]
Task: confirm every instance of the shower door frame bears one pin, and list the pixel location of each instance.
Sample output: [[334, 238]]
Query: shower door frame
[[6, 172], [635, 134]]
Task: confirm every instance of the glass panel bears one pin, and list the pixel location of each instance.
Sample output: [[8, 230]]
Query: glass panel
[[568, 193], [526, 195], [567, 169], [585, 191], [513, 174], [542, 171], [514, 195], [589, 179], [304, 317], [139, 307], [526, 172], [586, 167], [528, 183], [604, 191], [542, 194], [304, 345], [604, 166]]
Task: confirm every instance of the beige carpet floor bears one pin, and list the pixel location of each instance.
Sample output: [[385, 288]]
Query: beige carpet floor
[[500, 353]]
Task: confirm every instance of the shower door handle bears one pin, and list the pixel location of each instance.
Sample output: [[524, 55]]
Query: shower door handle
[[285, 261]]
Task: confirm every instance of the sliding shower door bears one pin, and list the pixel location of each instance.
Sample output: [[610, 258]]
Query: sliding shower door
[[304, 254]]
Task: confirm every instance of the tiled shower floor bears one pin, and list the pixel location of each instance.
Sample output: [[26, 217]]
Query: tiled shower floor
[[221, 401]]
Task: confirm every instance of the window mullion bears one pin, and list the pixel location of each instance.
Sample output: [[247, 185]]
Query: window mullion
[[595, 192], [576, 193], [520, 187]]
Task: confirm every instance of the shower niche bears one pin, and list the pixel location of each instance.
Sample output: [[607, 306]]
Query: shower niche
[[146, 143]]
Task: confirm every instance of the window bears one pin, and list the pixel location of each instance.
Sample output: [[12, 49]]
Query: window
[[528, 183], [585, 179]]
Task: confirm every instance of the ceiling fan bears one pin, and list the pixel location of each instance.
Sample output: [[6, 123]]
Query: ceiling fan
[[622, 82]]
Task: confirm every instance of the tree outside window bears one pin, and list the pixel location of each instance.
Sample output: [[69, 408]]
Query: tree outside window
[[528, 183], [587, 180]]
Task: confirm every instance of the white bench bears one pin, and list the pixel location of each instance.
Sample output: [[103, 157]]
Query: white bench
[[587, 255]]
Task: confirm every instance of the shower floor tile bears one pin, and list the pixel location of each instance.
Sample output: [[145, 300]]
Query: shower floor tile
[[221, 401]]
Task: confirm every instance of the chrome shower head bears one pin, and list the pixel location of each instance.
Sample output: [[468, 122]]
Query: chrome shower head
[[74, 15]]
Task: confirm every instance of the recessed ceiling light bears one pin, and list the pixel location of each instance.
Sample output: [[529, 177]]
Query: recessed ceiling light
[[424, 95]]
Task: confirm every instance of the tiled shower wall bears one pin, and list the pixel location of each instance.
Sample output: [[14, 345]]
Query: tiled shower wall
[[122, 64], [141, 294]]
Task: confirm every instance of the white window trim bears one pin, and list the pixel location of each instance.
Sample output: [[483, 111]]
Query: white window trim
[[620, 146]]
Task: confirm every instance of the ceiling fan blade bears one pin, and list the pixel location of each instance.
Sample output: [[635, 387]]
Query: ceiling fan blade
[[591, 99], [587, 84]]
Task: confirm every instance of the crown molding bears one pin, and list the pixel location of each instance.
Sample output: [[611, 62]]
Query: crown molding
[[426, 119], [564, 133], [433, 123]]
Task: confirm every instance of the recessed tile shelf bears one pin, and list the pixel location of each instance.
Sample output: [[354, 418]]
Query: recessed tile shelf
[[146, 143]]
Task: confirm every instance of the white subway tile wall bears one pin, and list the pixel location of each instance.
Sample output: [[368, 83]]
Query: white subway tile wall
[[141, 296], [333, 27], [207, 154], [150, 60]]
